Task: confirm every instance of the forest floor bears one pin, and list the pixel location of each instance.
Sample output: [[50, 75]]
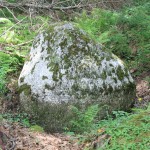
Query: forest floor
[[13, 136]]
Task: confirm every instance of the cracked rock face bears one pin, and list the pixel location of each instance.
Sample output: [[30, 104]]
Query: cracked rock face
[[67, 68]]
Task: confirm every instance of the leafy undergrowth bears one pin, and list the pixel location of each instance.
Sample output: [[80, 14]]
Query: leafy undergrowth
[[122, 131], [125, 33], [126, 131], [9, 63], [129, 131]]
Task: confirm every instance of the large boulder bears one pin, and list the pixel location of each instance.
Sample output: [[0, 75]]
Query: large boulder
[[66, 68]]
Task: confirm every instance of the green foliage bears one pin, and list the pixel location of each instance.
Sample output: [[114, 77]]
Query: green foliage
[[2, 81], [9, 63], [125, 33], [21, 118], [134, 23], [5, 13], [12, 1], [139, 2], [5, 22], [23, 32], [102, 26], [6, 36], [83, 120], [36, 128], [127, 131], [118, 43], [15, 34], [98, 22]]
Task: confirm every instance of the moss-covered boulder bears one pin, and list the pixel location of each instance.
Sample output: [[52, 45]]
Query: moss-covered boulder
[[66, 68]]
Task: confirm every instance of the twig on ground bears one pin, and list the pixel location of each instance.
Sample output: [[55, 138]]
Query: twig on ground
[[21, 44], [41, 27], [54, 6]]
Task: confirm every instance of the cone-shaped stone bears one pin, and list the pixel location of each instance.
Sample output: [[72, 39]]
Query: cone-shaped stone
[[68, 68]]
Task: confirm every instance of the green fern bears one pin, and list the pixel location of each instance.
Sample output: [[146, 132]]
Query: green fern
[[120, 32], [83, 120], [8, 64]]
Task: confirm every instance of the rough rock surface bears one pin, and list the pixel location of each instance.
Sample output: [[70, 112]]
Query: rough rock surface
[[66, 68]]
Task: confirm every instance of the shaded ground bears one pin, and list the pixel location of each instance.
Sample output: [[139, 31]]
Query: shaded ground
[[15, 137], [142, 90]]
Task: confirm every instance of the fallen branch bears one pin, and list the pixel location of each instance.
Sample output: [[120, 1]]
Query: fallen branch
[[53, 5], [41, 6], [21, 44]]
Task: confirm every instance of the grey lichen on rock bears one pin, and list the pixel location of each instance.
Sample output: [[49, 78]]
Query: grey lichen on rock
[[66, 68]]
